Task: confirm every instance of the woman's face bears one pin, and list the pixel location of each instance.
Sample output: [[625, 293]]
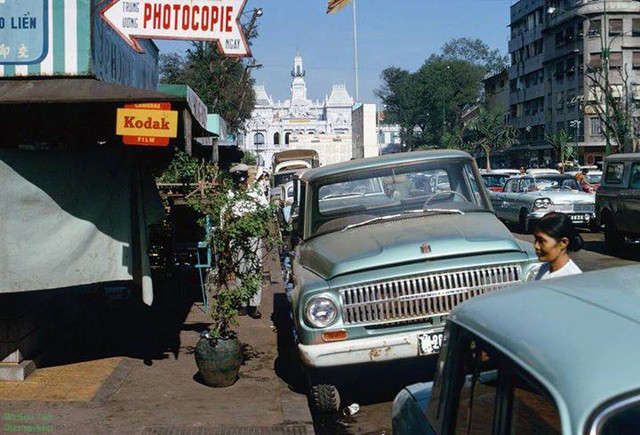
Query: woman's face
[[547, 248]]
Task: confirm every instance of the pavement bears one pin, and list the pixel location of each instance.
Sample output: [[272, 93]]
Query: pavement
[[135, 373]]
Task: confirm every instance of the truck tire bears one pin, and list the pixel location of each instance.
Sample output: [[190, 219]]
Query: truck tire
[[613, 239], [325, 399]]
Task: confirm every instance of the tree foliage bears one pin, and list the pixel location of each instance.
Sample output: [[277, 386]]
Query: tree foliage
[[476, 52], [224, 85], [617, 123], [562, 148], [429, 102], [489, 132], [237, 272]]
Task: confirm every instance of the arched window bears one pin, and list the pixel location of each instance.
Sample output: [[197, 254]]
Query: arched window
[[276, 138], [258, 139], [298, 71], [287, 137]]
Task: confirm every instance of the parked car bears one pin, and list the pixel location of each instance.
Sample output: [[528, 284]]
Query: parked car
[[511, 172], [618, 200], [538, 171], [524, 200], [495, 181], [555, 356], [383, 254]]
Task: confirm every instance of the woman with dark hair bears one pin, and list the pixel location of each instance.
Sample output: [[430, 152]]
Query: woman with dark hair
[[555, 237]]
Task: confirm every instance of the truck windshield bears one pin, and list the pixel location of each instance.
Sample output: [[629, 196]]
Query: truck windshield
[[360, 196]]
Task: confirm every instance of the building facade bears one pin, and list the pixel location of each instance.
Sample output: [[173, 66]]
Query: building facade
[[274, 126], [556, 49]]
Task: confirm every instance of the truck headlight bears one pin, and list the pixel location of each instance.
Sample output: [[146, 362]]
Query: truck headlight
[[321, 312], [533, 272], [542, 203]]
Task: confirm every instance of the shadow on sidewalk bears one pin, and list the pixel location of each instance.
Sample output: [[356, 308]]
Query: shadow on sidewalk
[[288, 366], [128, 328]]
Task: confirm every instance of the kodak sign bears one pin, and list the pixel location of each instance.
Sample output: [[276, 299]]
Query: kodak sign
[[147, 122]]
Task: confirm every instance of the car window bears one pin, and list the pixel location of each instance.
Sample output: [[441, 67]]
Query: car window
[[528, 184], [552, 183], [634, 182], [594, 178], [614, 173], [354, 197], [512, 186], [624, 422], [473, 379], [477, 401]]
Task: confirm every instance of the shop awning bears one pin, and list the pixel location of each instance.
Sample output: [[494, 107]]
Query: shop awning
[[77, 90]]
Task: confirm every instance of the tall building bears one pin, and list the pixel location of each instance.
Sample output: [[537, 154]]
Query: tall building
[[274, 126], [556, 49]]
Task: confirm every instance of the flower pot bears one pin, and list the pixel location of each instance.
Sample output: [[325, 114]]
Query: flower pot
[[218, 360]]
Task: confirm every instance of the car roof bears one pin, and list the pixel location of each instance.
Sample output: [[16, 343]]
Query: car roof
[[381, 162], [626, 156], [577, 335]]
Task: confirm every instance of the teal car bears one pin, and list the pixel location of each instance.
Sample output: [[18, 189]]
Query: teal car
[[383, 254], [555, 356], [525, 200]]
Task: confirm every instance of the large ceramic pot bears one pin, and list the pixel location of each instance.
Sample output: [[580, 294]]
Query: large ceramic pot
[[218, 360]]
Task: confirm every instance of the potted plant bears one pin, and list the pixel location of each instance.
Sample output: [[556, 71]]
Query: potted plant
[[236, 239]]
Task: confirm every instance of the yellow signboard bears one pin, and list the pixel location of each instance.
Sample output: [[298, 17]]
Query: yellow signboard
[[145, 122]]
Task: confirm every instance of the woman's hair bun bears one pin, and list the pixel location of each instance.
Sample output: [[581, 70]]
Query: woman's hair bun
[[559, 226]]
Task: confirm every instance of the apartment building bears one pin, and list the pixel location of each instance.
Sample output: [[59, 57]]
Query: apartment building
[[556, 49]]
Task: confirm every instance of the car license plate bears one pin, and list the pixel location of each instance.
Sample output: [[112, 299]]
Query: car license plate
[[430, 343], [577, 218]]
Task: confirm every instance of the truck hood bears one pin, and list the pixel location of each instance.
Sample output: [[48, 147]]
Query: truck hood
[[405, 240]]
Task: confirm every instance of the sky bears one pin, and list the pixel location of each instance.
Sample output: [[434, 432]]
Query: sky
[[400, 33]]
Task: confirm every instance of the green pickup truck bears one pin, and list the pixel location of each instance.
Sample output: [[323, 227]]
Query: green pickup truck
[[383, 254], [618, 200]]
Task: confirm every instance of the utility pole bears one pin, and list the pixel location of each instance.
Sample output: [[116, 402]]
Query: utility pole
[[355, 50]]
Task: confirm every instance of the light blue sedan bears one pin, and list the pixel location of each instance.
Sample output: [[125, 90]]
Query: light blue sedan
[[524, 200], [555, 356]]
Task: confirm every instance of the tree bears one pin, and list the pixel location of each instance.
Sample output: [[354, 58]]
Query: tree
[[249, 158], [401, 105], [560, 142], [429, 103], [225, 85], [476, 52], [489, 132], [618, 98]]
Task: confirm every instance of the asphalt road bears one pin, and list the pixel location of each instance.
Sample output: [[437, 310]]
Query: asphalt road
[[376, 391]]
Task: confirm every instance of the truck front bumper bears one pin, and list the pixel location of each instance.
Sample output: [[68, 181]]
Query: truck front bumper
[[363, 350]]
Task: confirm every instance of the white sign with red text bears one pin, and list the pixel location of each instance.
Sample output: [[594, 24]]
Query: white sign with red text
[[195, 20]]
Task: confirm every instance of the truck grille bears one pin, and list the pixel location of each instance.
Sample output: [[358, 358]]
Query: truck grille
[[422, 297]]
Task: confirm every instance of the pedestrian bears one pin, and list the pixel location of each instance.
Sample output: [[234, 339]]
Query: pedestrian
[[241, 183], [555, 238], [581, 178], [523, 170]]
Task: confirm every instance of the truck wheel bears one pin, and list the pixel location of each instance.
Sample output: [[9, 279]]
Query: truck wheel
[[325, 399], [613, 240]]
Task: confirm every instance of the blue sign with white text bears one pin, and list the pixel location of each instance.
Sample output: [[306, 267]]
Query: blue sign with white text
[[23, 31]]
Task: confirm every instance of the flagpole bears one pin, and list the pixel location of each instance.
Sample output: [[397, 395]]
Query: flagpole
[[355, 50]]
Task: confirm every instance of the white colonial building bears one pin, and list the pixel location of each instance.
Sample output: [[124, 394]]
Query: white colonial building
[[277, 126]]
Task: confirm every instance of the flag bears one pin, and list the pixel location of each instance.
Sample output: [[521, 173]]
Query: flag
[[336, 5]]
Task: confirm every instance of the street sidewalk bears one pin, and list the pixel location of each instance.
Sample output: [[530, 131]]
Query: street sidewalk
[[153, 388]]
